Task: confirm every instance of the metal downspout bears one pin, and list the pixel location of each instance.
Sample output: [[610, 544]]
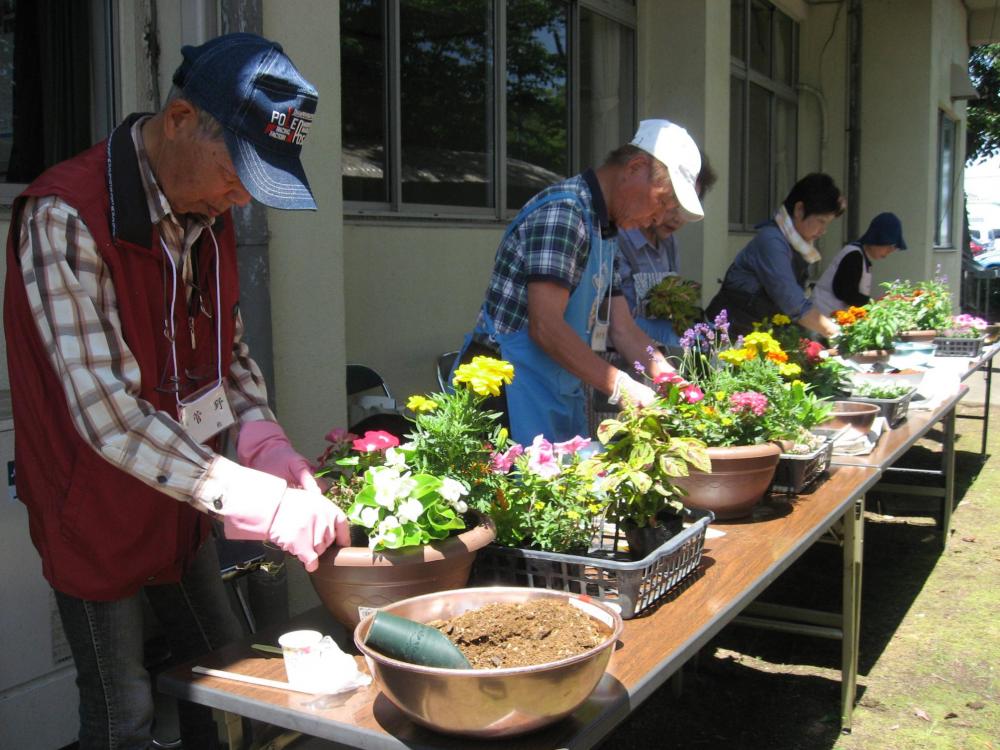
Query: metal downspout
[[853, 116]]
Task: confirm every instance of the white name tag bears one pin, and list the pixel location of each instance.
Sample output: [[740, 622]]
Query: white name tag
[[206, 412], [599, 337]]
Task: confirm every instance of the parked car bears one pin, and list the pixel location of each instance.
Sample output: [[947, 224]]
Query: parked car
[[975, 248]]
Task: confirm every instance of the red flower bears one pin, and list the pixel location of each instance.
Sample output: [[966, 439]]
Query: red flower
[[375, 440], [811, 350]]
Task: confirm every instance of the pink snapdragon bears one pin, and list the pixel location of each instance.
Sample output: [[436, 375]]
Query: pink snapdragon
[[503, 462], [542, 459], [752, 402]]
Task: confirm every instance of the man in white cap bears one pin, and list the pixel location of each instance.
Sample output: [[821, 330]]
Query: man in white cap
[[553, 298], [124, 340]]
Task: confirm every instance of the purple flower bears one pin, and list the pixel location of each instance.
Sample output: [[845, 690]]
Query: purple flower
[[637, 366], [722, 320], [650, 351]]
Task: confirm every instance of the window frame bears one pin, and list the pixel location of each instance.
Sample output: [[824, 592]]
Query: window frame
[[620, 11], [741, 69], [104, 67]]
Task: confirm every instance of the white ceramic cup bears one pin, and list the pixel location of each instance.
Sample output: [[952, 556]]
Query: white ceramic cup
[[313, 662]]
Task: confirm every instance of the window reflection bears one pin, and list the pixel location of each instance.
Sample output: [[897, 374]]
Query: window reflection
[[446, 66], [537, 98], [362, 68]]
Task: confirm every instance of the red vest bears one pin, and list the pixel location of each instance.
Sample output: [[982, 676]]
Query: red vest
[[102, 533]]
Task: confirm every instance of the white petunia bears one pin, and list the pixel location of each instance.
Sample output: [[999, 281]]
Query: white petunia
[[460, 506], [395, 459], [452, 490], [369, 517], [410, 510]]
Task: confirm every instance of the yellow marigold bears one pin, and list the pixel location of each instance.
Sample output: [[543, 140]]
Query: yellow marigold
[[788, 369], [484, 375], [779, 319], [539, 505], [761, 340], [572, 515], [420, 403], [798, 382], [735, 356]]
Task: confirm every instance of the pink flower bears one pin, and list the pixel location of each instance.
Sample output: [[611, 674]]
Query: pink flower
[[571, 446], [502, 462], [692, 394], [375, 440], [542, 459], [340, 435], [668, 377], [748, 402]]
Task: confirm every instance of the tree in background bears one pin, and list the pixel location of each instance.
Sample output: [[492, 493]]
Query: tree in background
[[983, 128]]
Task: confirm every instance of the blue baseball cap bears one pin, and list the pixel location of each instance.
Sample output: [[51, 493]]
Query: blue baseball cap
[[265, 108], [885, 229]]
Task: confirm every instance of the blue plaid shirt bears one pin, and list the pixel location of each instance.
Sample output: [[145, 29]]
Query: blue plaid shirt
[[551, 244]]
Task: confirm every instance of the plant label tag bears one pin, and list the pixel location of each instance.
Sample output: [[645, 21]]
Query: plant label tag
[[206, 413], [599, 336]]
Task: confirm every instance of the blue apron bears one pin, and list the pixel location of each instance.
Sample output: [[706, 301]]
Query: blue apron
[[659, 330], [544, 399]]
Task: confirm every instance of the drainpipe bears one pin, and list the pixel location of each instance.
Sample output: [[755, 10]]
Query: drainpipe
[[853, 115], [267, 587]]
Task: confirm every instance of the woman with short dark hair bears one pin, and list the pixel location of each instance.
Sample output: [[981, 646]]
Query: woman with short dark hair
[[768, 276]]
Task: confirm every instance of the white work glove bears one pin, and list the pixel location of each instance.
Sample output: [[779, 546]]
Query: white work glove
[[627, 389], [254, 505], [264, 446]]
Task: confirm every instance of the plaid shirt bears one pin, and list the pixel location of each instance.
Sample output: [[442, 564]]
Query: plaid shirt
[[551, 244], [73, 301]]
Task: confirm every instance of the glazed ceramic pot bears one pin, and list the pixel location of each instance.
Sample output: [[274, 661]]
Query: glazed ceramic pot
[[853, 415], [350, 581], [738, 481]]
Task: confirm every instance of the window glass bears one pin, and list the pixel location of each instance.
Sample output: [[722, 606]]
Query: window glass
[[946, 177], [785, 144], [759, 156], [760, 37], [363, 116], [784, 44], [446, 64], [607, 86], [46, 99], [737, 28], [736, 131], [537, 97]]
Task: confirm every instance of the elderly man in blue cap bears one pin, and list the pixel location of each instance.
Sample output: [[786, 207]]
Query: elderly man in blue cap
[[126, 361], [848, 279]]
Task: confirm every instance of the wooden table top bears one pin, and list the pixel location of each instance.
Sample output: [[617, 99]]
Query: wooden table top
[[893, 443], [735, 568]]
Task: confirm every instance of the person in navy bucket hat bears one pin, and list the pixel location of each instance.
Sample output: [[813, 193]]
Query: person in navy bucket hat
[[128, 368], [265, 108], [848, 279]]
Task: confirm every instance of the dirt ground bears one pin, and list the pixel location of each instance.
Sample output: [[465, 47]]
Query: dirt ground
[[930, 636], [519, 635]]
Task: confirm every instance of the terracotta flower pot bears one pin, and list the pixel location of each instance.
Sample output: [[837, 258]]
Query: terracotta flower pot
[[870, 356], [353, 577], [926, 335], [740, 476]]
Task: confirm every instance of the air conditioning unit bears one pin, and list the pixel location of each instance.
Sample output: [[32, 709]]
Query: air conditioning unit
[[38, 696]]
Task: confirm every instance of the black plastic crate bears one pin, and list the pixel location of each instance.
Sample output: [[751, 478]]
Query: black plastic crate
[[893, 409], [606, 573]]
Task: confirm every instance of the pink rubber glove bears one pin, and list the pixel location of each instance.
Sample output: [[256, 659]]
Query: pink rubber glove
[[265, 447], [302, 523]]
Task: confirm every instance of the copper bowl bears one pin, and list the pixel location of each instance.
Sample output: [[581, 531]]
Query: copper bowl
[[489, 702], [854, 415]]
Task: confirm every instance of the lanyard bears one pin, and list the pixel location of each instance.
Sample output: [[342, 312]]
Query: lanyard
[[170, 326]]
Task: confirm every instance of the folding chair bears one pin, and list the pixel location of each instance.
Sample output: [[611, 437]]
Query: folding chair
[[372, 411], [443, 368]]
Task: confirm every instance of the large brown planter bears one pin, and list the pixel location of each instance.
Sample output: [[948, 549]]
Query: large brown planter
[[739, 478], [353, 577]]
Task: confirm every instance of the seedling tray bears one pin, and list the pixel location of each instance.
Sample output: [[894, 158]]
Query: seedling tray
[[606, 573], [893, 409], [797, 471]]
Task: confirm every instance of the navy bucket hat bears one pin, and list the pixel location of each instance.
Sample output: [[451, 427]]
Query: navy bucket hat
[[265, 108], [885, 229]]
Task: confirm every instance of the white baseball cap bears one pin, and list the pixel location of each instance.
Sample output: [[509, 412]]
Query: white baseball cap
[[670, 144]]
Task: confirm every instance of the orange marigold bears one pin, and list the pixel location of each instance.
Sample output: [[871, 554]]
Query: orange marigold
[[777, 356]]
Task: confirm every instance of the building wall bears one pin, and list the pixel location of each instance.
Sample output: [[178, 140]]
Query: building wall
[[903, 91]]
